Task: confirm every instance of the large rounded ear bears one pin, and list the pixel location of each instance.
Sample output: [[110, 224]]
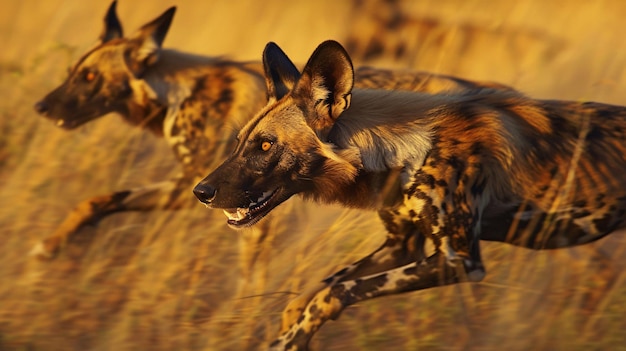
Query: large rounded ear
[[112, 26], [148, 41], [280, 73], [327, 80]]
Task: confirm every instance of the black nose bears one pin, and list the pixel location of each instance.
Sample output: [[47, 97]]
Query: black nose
[[204, 193], [41, 107]]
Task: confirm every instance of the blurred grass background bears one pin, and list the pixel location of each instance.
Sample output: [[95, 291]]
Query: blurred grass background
[[168, 280]]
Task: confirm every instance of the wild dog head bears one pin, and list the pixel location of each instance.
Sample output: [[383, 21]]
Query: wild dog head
[[281, 151], [102, 80]]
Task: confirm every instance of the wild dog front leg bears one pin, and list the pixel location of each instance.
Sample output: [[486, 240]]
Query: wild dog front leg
[[434, 271], [160, 195], [395, 252]]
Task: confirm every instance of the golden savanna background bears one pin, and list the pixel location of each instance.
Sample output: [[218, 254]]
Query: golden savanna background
[[174, 280]]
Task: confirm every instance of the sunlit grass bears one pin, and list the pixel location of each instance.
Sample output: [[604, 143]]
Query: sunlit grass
[[172, 280]]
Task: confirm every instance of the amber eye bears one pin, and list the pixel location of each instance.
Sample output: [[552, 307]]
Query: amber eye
[[266, 145], [90, 76]]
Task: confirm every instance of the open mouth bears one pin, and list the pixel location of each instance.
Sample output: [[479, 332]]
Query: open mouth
[[68, 123], [65, 124], [247, 216]]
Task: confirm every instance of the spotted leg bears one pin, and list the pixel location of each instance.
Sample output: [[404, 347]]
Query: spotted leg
[[160, 195], [443, 229], [434, 271], [398, 250]]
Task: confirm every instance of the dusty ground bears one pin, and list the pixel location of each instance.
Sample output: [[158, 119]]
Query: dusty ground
[[167, 280]]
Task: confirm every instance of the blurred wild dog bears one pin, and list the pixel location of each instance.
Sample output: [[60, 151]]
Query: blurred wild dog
[[443, 171], [196, 103]]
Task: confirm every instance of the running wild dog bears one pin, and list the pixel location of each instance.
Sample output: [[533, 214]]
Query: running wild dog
[[443, 171], [196, 103]]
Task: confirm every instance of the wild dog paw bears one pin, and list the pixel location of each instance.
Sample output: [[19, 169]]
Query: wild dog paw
[[294, 340], [44, 251], [282, 344], [295, 307], [291, 313]]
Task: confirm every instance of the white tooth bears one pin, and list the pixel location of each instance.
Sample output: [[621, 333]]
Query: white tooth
[[60, 122], [230, 215], [236, 215], [242, 213]]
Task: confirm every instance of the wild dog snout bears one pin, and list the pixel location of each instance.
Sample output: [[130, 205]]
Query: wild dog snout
[[205, 193], [41, 107]]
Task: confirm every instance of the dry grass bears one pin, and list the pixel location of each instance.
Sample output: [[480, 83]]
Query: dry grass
[[166, 280]]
